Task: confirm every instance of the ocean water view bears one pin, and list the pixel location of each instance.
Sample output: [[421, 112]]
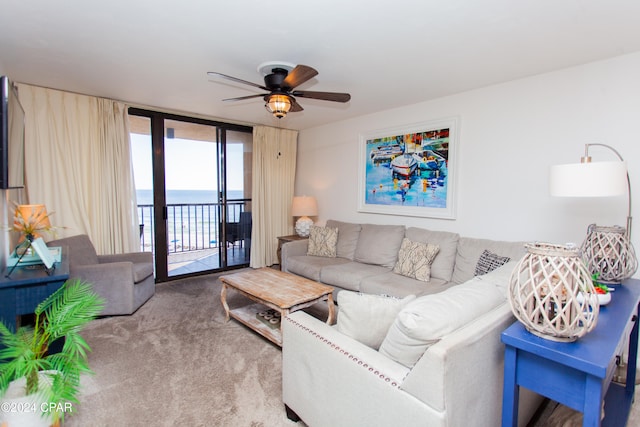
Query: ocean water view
[[193, 218], [145, 197]]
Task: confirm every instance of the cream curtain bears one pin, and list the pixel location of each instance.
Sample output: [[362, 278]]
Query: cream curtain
[[274, 170], [78, 164]]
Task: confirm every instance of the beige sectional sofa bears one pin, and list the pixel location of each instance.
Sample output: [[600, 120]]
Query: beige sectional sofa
[[367, 253], [438, 361]]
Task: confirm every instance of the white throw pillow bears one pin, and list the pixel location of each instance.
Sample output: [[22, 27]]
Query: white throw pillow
[[367, 318], [415, 259], [426, 320], [323, 241]]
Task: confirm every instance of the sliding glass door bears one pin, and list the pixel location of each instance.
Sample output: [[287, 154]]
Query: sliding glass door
[[193, 181]]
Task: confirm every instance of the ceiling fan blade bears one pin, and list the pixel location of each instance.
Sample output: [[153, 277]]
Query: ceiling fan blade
[[326, 96], [235, 79], [240, 98], [295, 107], [299, 75]]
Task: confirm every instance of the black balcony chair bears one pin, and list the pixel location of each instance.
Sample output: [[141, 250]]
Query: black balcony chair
[[245, 230], [240, 232]]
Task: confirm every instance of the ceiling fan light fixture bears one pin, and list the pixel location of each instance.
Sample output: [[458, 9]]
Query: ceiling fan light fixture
[[278, 105]]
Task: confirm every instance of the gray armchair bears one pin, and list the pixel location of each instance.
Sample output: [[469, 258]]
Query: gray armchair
[[125, 281]]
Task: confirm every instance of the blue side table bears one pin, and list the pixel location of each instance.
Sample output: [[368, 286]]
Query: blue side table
[[27, 287], [577, 374]]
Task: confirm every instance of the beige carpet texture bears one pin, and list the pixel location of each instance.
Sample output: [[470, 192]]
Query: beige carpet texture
[[177, 362]]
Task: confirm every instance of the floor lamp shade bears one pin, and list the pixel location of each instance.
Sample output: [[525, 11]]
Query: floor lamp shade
[[607, 251], [304, 207], [597, 179]]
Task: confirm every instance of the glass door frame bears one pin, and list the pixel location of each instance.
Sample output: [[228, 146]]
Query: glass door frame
[[159, 188]]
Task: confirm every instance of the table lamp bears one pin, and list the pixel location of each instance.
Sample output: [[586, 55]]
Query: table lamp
[[607, 251], [304, 207], [31, 221]]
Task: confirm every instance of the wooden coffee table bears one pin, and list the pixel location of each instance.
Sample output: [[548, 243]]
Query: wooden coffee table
[[278, 290]]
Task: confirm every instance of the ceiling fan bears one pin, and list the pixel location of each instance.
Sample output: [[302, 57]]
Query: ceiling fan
[[280, 80]]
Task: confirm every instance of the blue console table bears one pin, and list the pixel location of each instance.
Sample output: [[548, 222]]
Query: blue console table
[[27, 287], [578, 374]]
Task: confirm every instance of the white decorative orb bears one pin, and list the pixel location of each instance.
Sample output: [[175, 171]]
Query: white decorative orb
[[552, 294], [303, 225]]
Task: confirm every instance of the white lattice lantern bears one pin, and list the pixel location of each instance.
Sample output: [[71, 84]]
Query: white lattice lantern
[[552, 294], [609, 253]]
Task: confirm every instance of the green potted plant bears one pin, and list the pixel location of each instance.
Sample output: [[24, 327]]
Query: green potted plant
[[41, 382]]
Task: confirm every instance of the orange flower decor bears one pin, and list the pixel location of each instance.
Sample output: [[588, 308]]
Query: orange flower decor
[[31, 221]]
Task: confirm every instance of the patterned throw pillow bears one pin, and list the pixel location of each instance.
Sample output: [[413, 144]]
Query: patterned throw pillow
[[489, 261], [323, 241], [414, 259]]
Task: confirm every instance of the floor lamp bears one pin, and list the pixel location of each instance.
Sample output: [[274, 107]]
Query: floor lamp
[[607, 251]]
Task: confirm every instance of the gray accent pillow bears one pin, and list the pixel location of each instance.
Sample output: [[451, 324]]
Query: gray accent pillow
[[322, 241], [415, 258], [442, 267], [348, 234], [366, 318], [488, 262], [379, 244]]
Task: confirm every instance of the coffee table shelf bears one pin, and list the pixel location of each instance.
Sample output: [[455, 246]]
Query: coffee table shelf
[[247, 316]]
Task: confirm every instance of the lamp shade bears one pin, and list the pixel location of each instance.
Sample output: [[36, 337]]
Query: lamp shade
[[594, 179], [31, 220], [304, 206], [278, 105]]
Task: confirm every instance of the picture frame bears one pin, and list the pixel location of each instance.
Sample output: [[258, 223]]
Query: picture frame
[[410, 170], [43, 252]]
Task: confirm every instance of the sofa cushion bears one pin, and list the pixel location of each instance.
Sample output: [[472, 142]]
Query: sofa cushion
[[322, 241], [470, 249], [442, 266], [367, 318], [379, 244], [427, 319], [349, 274], [348, 234], [310, 266], [414, 259], [400, 286], [488, 262]]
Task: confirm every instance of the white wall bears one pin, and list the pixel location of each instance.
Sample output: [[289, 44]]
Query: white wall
[[509, 136]]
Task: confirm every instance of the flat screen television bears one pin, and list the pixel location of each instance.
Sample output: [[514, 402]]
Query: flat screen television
[[11, 136]]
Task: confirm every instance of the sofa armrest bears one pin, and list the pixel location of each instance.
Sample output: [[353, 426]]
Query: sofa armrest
[[318, 361], [297, 247], [114, 274], [465, 372], [135, 257], [114, 282]]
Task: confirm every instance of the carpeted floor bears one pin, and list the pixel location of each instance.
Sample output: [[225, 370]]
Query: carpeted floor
[[176, 362]]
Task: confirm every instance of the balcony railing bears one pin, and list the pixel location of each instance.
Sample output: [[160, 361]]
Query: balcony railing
[[193, 226]]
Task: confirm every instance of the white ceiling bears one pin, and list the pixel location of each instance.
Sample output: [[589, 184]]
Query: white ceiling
[[385, 53]]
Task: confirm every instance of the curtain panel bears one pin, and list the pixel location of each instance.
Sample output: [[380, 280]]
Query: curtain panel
[[274, 170], [78, 163]]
